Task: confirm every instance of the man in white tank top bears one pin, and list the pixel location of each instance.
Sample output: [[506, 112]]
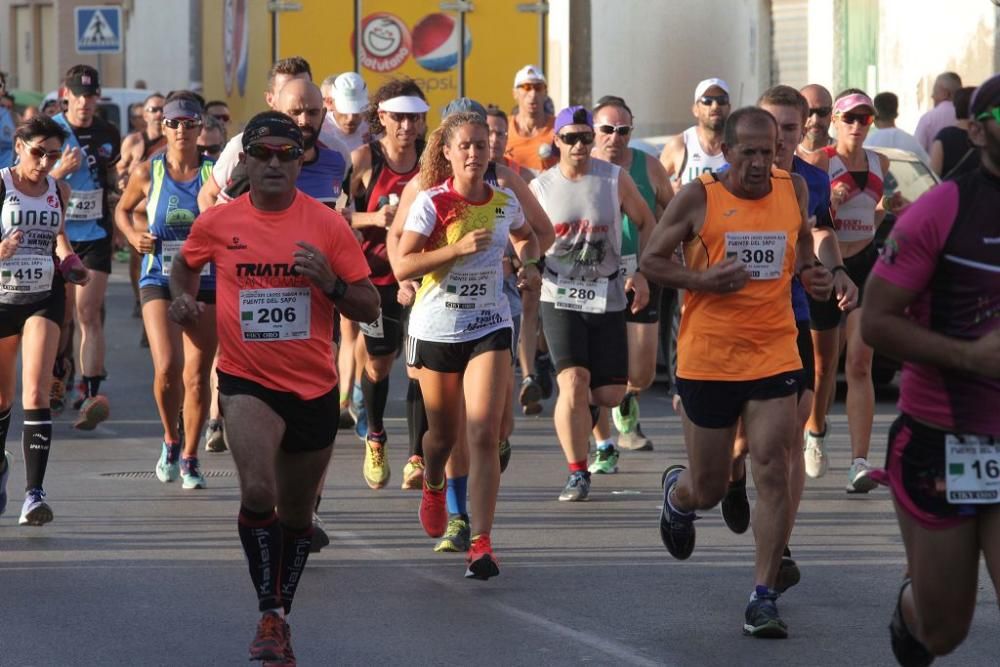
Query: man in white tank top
[[698, 149]]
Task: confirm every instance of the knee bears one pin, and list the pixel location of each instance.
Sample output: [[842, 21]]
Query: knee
[[708, 489], [643, 377], [378, 368], [771, 475], [483, 434], [89, 314], [858, 365], [574, 386], [168, 374], [259, 496]]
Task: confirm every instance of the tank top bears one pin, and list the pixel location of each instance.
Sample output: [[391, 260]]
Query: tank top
[[697, 161], [749, 334], [854, 220], [384, 188], [171, 209], [639, 171], [509, 282], [150, 146], [587, 219], [27, 276], [960, 157], [322, 178]]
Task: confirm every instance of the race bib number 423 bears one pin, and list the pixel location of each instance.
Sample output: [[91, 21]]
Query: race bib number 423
[[763, 253], [85, 205], [973, 475], [273, 314]]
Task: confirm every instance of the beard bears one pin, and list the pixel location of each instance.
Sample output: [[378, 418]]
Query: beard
[[309, 137]]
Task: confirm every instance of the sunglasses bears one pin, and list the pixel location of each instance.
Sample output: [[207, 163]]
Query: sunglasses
[[399, 117], [186, 123], [822, 112], [210, 149], [993, 113], [572, 138], [539, 87], [40, 152], [620, 130], [721, 100], [154, 109], [284, 153], [862, 119], [221, 117]]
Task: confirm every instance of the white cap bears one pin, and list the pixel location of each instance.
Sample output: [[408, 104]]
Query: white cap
[[529, 74], [350, 94], [700, 89], [404, 104]]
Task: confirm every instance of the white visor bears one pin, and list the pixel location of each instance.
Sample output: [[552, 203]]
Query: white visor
[[404, 104]]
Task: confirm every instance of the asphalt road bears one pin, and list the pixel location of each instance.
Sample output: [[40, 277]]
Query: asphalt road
[[134, 572]]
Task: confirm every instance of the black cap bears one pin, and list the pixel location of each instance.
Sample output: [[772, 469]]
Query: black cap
[[986, 96], [271, 124], [84, 81]]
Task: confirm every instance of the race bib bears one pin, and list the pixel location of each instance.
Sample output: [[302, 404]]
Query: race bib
[[26, 274], [471, 290], [973, 475], [763, 253], [629, 265], [373, 329], [276, 313], [586, 296], [85, 205], [170, 249]]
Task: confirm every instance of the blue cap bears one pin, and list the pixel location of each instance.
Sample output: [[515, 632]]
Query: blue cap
[[464, 105], [181, 108], [574, 116]]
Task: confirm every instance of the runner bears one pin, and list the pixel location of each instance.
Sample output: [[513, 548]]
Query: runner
[[182, 360], [951, 154], [744, 234], [88, 165], [380, 171], [698, 150], [584, 290], [817, 126], [613, 120], [219, 110], [212, 138], [856, 182], [276, 372], [35, 260], [530, 139], [932, 302], [6, 129], [346, 100], [460, 334]]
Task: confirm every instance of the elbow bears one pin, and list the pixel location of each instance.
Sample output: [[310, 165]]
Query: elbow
[[402, 271], [650, 267], [371, 306]]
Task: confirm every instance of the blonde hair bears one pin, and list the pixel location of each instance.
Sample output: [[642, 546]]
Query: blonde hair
[[434, 166]]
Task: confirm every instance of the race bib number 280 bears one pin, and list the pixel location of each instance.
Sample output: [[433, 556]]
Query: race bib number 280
[[763, 253], [274, 314]]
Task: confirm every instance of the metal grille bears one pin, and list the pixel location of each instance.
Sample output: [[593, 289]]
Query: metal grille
[[790, 42], [146, 474]]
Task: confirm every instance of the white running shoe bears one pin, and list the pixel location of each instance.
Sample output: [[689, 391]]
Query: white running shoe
[[859, 479], [815, 458]]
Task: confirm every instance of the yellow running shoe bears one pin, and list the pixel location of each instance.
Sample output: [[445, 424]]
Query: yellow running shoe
[[376, 468]]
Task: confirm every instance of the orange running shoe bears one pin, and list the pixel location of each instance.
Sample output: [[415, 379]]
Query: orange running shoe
[[480, 559], [271, 639], [289, 659], [433, 511], [93, 411]]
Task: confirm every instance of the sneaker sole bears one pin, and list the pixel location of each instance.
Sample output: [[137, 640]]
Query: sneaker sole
[[447, 546], [194, 485], [532, 409], [36, 517], [375, 486], [167, 478], [599, 471], [482, 568], [268, 655], [530, 394], [90, 420], [770, 630], [582, 499], [412, 483], [646, 446], [862, 485], [320, 541]]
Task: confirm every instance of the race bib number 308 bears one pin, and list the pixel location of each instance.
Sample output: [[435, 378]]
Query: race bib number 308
[[973, 475], [273, 314], [763, 253]]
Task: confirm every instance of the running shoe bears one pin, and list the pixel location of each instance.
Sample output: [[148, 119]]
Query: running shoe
[[93, 411], [215, 439], [504, 454], [605, 462], [908, 650], [531, 391], [626, 414], [191, 477], [762, 619], [532, 409], [319, 539], [788, 573], [815, 457], [433, 511], [346, 419], [736, 506], [168, 468], [269, 644], [413, 473], [859, 479], [456, 537], [4, 476], [577, 487], [376, 467], [676, 528], [35, 511], [635, 440], [481, 561], [543, 373], [289, 659], [57, 395]]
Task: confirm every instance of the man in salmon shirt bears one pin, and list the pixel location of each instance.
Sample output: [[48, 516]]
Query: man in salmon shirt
[[283, 262], [744, 234], [530, 139]]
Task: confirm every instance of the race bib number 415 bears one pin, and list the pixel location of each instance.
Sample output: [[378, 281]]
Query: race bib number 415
[[973, 469], [763, 253], [273, 314], [26, 274]]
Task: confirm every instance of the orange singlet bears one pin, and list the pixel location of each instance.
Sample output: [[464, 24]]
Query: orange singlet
[[749, 334]]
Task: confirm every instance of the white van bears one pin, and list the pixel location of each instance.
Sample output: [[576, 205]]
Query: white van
[[114, 103]]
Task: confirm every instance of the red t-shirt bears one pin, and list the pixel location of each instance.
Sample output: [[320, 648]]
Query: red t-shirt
[[275, 327]]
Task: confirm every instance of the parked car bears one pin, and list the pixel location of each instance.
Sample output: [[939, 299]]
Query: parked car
[[114, 103]]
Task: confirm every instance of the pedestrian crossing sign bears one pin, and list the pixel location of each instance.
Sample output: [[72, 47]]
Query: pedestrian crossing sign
[[99, 29]]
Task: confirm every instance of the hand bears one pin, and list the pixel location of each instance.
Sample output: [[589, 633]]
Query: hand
[[845, 290], [10, 244], [70, 160], [528, 278], [311, 263], [730, 275], [983, 355], [838, 195], [636, 283], [894, 202], [407, 293], [676, 403], [383, 216], [818, 281], [185, 311], [73, 271], [473, 242], [143, 242]]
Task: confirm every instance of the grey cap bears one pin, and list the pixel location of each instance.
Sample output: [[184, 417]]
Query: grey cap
[[464, 105]]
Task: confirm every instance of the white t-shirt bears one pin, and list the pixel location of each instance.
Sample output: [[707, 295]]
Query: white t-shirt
[[331, 136], [893, 137], [227, 161]]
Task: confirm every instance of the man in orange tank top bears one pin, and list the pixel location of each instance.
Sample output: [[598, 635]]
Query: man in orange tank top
[[744, 234]]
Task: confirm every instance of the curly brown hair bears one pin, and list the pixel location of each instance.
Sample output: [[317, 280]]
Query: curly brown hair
[[400, 87], [434, 166]]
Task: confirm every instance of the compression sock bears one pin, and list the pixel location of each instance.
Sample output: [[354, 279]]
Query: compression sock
[[35, 441], [4, 427], [260, 534], [416, 418], [92, 384], [578, 466], [294, 553], [376, 395], [458, 489]]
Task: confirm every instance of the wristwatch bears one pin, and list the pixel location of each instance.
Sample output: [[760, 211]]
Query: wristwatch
[[338, 291]]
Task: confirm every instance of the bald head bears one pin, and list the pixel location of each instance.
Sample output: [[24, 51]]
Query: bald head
[[817, 96], [302, 100]]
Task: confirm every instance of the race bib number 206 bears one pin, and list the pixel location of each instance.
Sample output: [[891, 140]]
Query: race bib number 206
[[274, 314]]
